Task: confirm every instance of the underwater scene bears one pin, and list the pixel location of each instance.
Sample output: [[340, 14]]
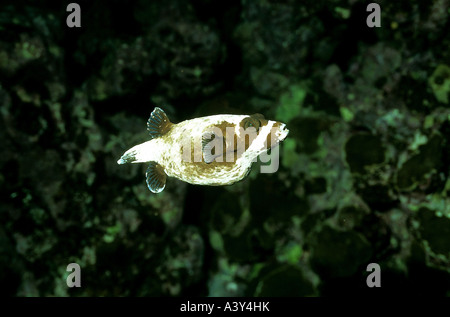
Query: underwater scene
[[224, 148]]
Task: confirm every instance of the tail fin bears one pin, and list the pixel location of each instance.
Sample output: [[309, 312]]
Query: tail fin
[[128, 157]]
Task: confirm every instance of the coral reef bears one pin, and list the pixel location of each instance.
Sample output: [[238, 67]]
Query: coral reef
[[364, 174]]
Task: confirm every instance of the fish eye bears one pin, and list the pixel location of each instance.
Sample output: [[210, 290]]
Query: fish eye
[[252, 122]]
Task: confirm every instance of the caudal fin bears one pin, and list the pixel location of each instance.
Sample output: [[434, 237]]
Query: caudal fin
[[128, 157]]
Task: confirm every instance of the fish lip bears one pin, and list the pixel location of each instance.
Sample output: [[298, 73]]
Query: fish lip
[[283, 132]]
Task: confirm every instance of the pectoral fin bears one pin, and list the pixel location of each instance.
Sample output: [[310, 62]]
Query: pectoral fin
[[156, 177], [212, 147]]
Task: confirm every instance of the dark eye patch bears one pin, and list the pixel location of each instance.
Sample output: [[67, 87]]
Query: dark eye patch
[[255, 120], [251, 122]]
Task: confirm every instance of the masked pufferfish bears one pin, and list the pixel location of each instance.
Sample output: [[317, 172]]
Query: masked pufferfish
[[170, 155]]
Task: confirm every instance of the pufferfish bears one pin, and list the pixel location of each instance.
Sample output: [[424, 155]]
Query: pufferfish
[[214, 150]]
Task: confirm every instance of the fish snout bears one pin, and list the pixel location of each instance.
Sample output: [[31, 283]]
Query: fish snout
[[277, 134], [283, 132]]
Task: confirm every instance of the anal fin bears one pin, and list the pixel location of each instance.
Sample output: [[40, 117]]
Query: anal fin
[[156, 177]]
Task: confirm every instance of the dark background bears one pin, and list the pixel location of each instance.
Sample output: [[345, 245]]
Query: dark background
[[363, 176]]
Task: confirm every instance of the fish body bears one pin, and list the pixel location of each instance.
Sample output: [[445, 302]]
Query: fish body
[[213, 150]]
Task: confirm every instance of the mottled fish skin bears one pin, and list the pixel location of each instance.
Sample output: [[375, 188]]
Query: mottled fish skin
[[171, 150]]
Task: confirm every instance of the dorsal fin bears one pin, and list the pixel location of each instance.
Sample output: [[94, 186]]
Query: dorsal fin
[[156, 177], [158, 123]]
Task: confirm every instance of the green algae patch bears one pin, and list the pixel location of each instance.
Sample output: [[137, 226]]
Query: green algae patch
[[290, 253], [346, 114], [435, 230], [291, 103], [440, 83], [290, 156], [415, 170]]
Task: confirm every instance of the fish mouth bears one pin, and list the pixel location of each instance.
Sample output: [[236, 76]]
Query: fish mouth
[[279, 135], [283, 132]]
